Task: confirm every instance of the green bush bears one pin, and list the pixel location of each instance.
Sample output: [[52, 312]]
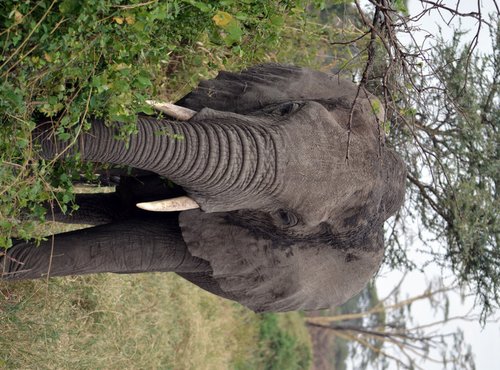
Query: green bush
[[70, 61], [280, 349]]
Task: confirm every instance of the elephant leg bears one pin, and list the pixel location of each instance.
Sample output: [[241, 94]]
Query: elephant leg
[[135, 245]]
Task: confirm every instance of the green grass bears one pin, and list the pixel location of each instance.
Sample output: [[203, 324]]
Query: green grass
[[148, 321]]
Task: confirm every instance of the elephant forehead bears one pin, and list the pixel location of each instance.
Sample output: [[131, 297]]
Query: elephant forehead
[[325, 190], [318, 180]]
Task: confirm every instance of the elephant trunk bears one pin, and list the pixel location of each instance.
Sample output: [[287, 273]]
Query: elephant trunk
[[216, 163]]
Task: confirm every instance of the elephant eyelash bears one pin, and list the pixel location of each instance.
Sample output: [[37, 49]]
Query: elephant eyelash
[[288, 108], [287, 218]]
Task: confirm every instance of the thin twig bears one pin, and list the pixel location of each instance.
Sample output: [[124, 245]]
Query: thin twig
[[132, 6]]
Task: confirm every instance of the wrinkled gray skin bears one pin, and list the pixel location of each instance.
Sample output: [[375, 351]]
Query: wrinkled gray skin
[[286, 223]]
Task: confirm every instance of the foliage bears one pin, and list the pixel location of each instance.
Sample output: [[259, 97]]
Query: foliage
[[279, 349], [455, 140]]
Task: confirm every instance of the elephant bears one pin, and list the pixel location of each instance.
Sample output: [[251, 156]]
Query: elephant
[[283, 182]]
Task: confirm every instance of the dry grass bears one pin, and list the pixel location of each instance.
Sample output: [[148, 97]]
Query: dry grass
[[149, 321]]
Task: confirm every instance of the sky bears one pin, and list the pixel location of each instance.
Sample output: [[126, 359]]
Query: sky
[[485, 341]]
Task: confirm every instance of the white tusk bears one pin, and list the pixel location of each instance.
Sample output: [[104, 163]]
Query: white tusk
[[169, 205], [175, 111]]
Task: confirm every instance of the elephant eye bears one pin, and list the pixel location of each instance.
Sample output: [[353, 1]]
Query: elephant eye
[[287, 218], [286, 108]]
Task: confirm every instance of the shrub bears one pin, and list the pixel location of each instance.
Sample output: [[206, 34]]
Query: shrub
[[280, 349]]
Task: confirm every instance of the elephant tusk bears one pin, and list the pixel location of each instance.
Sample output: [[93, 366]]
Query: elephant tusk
[[175, 111], [169, 205]]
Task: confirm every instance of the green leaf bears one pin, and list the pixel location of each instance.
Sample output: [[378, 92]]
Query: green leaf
[[147, 109], [69, 6], [64, 136], [201, 6], [400, 6], [234, 34], [142, 81], [277, 20]]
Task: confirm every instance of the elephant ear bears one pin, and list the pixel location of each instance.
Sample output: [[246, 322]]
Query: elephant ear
[[264, 85], [264, 277]]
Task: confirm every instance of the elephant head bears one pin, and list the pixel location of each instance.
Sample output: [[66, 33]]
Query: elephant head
[[291, 175]]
